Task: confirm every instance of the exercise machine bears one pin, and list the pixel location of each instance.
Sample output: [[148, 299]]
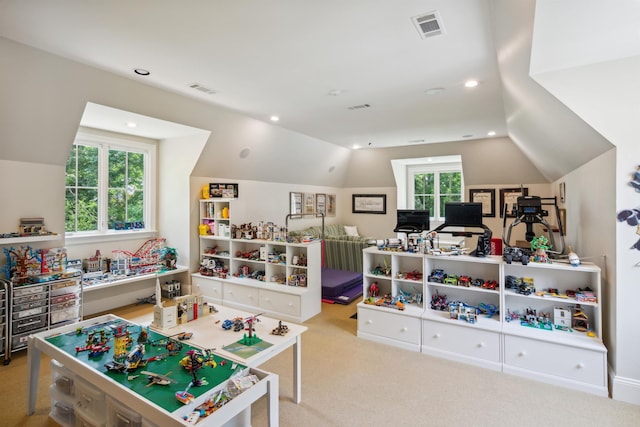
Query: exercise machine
[[529, 211]]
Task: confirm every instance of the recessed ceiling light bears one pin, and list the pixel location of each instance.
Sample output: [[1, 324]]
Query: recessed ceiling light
[[434, 90], [356, 146], [491, 133], [471, 83], [141, 72], [131, 124], [335, 92], [274, 118]]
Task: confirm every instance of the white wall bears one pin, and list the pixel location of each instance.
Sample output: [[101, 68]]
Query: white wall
[[610, 105]]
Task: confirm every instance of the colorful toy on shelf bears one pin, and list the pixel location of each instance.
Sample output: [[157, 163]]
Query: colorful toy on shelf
[[461, 311], [539, 246], [439, 302], [488, 309], [574, 259], [374, 290], [437, 276], [579, 319]]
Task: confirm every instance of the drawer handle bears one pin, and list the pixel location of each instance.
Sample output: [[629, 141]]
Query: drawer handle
[[369, 322], [481, 344], [436, 335], [290, 304], [580, 365], [522, 353], [405, 329]]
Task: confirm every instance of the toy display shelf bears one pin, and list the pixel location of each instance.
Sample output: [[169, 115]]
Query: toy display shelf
[[561, 277], [570, 358], [131, 279]]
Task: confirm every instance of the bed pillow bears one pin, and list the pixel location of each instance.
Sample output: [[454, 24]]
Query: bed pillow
[[351, 230]]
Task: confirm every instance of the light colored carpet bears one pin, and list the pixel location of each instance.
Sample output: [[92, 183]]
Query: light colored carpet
[[348, 381]]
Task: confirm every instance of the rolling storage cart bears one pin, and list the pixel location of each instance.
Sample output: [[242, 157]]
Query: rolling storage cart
[[4, 321], [37, 307]]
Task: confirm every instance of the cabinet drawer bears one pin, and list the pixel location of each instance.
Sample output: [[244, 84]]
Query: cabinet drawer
[[280, 302], [575, 363], [210, 288], [239, 294], [394, 326], [463, 340]]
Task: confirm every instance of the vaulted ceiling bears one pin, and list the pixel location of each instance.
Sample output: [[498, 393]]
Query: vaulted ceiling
[[356, 72]]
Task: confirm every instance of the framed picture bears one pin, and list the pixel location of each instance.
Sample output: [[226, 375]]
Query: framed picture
[[509, 197], [331, 205], [295, 203], [369, 203], [486, 196], [227, 191], [309, 205], [321, 203]]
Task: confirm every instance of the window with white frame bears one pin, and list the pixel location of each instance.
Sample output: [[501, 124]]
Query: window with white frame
[[432, 186], [428, 183], [109, 186]]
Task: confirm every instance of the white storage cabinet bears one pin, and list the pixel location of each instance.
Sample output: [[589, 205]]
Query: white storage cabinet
[[392, 273], [572, 358], [286, 279], [476, 340]]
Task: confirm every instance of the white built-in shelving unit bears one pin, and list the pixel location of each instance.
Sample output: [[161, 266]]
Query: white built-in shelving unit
[[288, 285], [563, 356]]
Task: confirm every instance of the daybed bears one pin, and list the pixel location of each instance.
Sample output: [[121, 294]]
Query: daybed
[[342, 251]]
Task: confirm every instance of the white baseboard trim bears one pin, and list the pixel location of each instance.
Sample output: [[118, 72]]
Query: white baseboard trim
[[625, 389]]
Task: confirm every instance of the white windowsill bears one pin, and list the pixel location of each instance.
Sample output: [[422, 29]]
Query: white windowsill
[[71, 240]]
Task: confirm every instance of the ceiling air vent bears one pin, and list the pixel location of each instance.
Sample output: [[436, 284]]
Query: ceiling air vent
[[201, 88], [358, 107], [429, 24]]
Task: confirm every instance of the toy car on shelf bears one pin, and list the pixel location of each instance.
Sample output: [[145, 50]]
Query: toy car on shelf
[[513, 253], [490, 284], [526, 287], [451, 279], [464, 281], [437, 276], [512, 282], [477, 283]]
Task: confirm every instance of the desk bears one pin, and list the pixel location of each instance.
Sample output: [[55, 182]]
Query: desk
[[208, 333], [38, 343]]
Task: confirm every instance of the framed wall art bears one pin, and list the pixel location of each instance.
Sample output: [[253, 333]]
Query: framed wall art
[[295, 203], [369, 203], [331, 205], [309, 203], [321, 203], [509, 197], [486, 196]]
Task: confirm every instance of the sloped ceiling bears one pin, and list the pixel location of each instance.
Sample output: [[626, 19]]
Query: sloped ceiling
[[384, 61], [552, 136]]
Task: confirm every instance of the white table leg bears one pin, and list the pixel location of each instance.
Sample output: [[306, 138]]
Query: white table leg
[[297, 369], [273, 408], [33, 373]]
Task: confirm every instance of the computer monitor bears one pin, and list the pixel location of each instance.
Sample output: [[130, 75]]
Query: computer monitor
[[463, 214], [412, 221]]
